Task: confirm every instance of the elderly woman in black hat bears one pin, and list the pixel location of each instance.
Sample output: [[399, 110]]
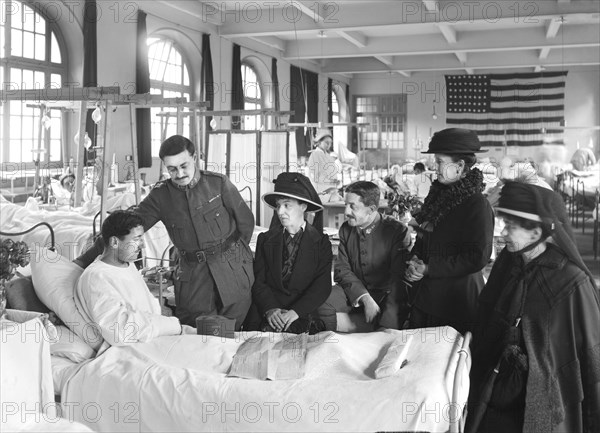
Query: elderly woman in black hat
[[536, 349], [292, 266], [454, 237]]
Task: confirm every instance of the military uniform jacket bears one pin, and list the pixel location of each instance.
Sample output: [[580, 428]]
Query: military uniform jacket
[[373, 262], [202, 217]]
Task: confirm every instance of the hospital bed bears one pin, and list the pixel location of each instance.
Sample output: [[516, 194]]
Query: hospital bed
[[74, 229], [181, 383]]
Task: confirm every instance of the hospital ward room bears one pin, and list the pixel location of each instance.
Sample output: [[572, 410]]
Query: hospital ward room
[[326, 216]]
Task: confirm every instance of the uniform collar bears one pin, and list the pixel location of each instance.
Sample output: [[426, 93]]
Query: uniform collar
[[371, 227], [192, 183]]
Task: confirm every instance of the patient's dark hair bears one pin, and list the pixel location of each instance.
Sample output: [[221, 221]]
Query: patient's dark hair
[[174, 145], [419, 166], [367, 191], [120, 223]]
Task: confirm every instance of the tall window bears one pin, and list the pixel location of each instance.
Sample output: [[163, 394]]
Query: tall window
[[169, 77], [252, 98], [386, 115], [30, 58]]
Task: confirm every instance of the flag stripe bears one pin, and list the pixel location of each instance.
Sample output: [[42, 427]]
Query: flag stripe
[[517, 109]]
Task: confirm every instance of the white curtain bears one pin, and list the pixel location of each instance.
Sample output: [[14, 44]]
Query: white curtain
[[272, 164], [243, 170], [216, 158]]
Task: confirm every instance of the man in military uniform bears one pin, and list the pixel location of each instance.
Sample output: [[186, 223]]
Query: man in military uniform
[[211, 225]]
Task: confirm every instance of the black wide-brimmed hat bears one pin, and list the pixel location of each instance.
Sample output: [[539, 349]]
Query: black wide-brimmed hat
[[452, 141], [536, 203], [294, 185]]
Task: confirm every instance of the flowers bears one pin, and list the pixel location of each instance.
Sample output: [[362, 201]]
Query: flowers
[[400, 204], [12, 255]]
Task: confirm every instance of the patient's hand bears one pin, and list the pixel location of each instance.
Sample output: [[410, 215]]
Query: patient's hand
[[371, 308]]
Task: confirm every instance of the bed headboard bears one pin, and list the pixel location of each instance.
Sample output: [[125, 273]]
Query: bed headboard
[[32, 229]]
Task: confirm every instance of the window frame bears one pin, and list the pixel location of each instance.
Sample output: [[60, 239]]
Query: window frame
[[49, 69], [180, 90], [255, 103]]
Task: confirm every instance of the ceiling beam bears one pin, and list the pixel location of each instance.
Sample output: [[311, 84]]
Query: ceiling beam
[[485, 61], [470, 42], [448, 32], [552, 28], [271, 41], [355, 38], [461, 56], [390, 15], [386, 60], [544, 53]]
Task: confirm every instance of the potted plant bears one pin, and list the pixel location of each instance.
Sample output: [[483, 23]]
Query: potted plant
[[12, 255]]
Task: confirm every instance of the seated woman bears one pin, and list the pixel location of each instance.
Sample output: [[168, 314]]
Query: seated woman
[[536, 348], [292, 265], [112, 294]]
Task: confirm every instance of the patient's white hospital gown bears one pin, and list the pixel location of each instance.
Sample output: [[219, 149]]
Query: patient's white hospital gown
[[118, 301]]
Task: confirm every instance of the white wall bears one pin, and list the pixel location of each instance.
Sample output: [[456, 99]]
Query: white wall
[[582, 108]]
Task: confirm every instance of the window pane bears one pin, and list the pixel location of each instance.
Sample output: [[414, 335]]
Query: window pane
[[28, 18], [27, 79], [14, 154], [55, 56], [16, 40], [55, 150], [186, 77], [28, 45], [17, 19], [55, 81], [40, 47]]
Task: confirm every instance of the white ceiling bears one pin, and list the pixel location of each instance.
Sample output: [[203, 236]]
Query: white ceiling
[[407, 37]]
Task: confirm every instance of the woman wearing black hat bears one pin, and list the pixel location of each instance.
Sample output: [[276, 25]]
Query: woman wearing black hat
[[292, 265], [536, 349], [454, 238]]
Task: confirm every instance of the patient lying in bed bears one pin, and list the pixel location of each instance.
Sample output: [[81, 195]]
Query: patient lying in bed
[[112, 294]]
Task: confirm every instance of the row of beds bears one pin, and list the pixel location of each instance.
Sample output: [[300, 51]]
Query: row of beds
[[181, 383]]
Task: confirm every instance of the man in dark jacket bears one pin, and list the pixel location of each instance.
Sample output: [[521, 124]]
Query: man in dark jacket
[[370, 263], [293, 261], [211, 225]]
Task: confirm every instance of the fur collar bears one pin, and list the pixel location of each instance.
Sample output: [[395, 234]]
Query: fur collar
[[443, 198]]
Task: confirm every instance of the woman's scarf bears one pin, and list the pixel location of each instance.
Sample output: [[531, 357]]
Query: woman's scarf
[[443, 198]]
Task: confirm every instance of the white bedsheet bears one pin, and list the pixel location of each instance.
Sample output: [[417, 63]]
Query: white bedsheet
[[180, 384], [73, 229]]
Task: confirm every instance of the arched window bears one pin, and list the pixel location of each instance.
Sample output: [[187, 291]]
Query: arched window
[[169, 77], [252, 98], [31, 59]]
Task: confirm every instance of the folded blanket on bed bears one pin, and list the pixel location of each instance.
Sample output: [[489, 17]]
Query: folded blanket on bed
[[262, 358]]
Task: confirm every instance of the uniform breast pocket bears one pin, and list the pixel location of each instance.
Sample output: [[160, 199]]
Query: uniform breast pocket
[[176, 233], [217, 218]]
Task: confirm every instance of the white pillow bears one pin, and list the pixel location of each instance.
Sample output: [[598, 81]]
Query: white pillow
[[69, 345], [54, 280], [395, 358]]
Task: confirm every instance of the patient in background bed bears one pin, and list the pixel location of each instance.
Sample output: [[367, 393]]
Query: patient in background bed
[[112, 293]]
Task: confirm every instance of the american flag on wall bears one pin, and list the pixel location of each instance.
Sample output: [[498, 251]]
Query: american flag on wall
[[516, 109]]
